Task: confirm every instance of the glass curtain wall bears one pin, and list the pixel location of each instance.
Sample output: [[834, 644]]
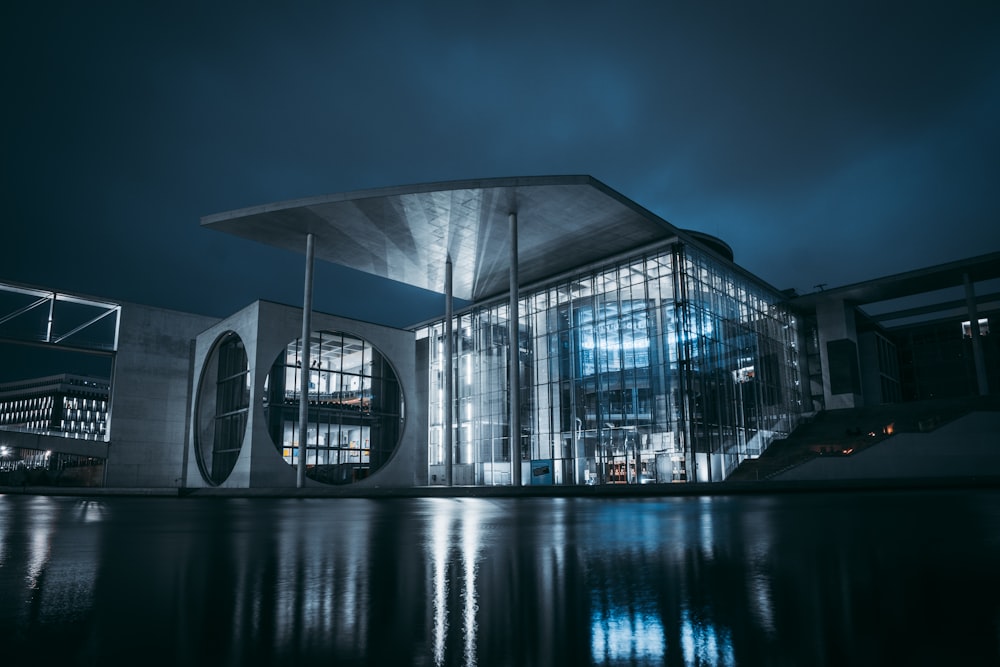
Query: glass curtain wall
[[738, 365], [662, 368]]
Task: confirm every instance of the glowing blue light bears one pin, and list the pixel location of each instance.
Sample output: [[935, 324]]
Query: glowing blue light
[[624, 635]]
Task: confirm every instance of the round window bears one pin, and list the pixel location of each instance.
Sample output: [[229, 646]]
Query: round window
[[355, 414], [222, 408]]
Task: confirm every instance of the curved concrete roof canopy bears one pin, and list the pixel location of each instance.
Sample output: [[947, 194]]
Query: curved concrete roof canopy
[[406, 233]]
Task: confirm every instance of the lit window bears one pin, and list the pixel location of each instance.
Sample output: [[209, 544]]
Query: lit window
[[984, 327]]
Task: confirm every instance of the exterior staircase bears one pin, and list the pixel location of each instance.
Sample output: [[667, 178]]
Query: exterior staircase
[[847, 432]]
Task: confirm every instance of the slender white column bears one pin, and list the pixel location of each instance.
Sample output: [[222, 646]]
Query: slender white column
[[307, 299], [513, 363], [977, 342], [449, 374]]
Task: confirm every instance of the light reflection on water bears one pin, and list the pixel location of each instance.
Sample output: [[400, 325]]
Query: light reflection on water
[[470, 553], [619, 634], [439, 542], [41, 535], [796, 579]]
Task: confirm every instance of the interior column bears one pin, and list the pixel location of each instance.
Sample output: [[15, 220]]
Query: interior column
[[513, 360], [449, 374]]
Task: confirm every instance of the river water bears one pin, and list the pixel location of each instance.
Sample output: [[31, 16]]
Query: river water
[[867, 578]]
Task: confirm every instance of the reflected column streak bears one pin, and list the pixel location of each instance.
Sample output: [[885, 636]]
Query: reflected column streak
[[441, 523], [470, 552]]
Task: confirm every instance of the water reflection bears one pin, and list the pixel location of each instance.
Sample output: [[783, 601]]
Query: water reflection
[[439, 544], [621, 634], [42, 511], [788, 579], [454, 538], [44, 583]]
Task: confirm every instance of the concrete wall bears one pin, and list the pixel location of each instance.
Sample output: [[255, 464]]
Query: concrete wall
[[266, 329], [838, 331], [870, 371], [244, 324], [149, 396]]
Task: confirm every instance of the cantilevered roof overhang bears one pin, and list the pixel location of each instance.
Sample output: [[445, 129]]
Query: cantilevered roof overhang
[[406, 233]]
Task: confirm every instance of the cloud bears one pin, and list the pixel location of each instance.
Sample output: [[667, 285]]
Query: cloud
[[811, 137]]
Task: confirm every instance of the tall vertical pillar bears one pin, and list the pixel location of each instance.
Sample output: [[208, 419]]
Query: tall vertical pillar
[[684, 351], [307, 299], [449, 375], [977, 342], [513, 363]]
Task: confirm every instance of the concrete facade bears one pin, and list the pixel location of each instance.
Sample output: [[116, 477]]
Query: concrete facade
[[874, 337], [838, 350], [149, 401], [266, 329]]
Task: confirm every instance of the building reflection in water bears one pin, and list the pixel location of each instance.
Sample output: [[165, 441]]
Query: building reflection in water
[[454, 537], [43, 520], [472, 581], [439, 545], [47, 571], [470, 554], [703, 643], [620, 634]]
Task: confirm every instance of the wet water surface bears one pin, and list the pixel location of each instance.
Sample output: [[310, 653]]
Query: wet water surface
[[818, 579]]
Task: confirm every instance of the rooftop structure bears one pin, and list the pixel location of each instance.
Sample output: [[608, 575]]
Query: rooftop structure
[[407, 233]]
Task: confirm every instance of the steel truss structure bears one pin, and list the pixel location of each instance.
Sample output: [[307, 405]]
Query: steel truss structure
[[33, 316]]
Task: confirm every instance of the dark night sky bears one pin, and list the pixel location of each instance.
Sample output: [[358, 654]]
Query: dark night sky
[[826, 143]]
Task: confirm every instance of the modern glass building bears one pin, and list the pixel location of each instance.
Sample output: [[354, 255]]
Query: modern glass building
[[642, 352], [668, 365]]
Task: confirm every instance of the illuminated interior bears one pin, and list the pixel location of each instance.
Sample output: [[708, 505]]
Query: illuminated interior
[[355, 407], [663, 367]]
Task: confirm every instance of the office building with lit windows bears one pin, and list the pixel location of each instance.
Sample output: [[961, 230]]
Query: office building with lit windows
[[582, 340], [71, 405]]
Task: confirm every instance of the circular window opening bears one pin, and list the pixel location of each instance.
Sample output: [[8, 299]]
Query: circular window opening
[[355, 414], [222, 408]]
